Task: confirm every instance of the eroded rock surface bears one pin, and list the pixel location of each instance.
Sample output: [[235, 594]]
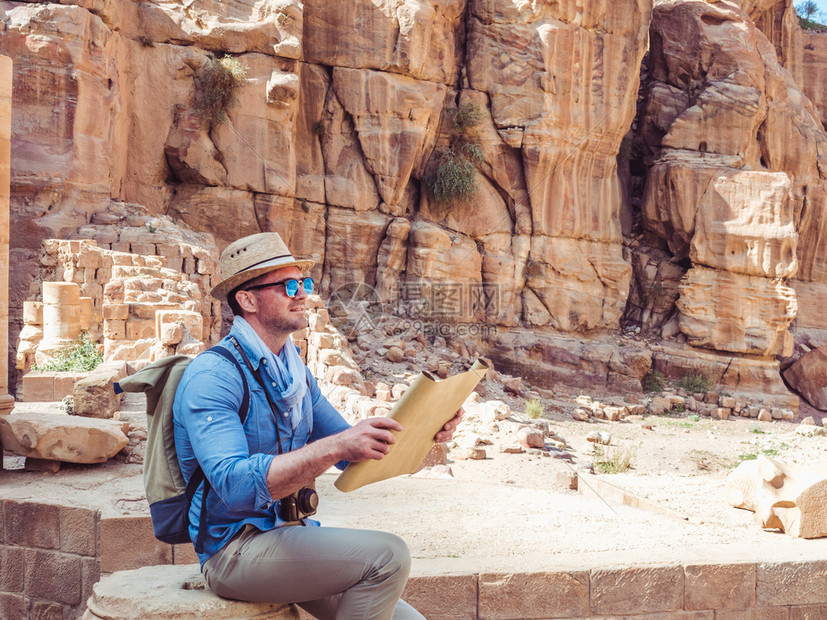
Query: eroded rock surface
[[738, 171], [56, 437], [344, 115]]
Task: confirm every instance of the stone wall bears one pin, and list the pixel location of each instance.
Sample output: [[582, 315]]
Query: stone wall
[[51, 555], [149, 291], [49, 559]]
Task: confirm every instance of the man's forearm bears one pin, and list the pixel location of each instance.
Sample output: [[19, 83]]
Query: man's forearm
[[291, 471]]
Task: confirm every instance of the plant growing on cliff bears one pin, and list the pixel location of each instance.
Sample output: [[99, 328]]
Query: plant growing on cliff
[[217, 85], [810, 17], [695, 382], [455, 177], [653, 382], [82, 356]]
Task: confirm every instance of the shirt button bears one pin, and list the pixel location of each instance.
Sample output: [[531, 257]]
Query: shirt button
[[209, 419], [273, 384], [285, 415], [264, 362]]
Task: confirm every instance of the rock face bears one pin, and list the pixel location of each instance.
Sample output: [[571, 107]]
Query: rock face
[[732, 186], [57, 437], [789, 497], [346, 114], [808, 377]]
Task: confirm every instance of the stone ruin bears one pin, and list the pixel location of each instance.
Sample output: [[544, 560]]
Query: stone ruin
[[782, 496], [140, 300]]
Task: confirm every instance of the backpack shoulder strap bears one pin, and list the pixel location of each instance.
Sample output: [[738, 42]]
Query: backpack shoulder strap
[[245, 398], [198, 474]]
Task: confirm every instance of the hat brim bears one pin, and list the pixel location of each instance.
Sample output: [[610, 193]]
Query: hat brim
[[223, 288]]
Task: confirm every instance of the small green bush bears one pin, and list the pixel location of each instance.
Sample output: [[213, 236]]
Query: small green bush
[[756, 429], [611, 459], [534, 409], [83, 356], [453, 181], [695, 383], [466, 118], [455, 178], [653, 382], [217, 84]]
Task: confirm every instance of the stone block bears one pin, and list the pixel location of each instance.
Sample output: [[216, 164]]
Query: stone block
[[637, 590], [437, 455], [534, 595], [65, 383], [79, 530], [38, 387], [171, 333], [128, 542], [193, 322], [720, 413], [42, 610], [31, 524], [116, 311], [95, 396], [808, 612], [447, 597], [53, 576], [145, 249], [137, 329], [114, 329], [184, 554], [791, 583], [11, 569], [719, 586], [90, 574], [13, 606], [42, 465], [172, 592], [33, 313], [763, 613], [58, 437], [89, 260]]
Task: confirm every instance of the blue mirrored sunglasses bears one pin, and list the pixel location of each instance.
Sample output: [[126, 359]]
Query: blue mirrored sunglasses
[[291, 286]]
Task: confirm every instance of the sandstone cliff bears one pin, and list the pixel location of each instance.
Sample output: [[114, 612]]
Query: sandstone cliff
[[347, 110]]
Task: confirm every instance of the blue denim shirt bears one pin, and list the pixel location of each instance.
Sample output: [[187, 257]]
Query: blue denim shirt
[[235, 459]]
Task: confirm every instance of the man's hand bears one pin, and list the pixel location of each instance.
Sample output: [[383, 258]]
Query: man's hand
[[369, 439], [450, 426]]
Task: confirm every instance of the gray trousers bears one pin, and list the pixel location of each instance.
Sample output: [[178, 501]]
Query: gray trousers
[[333, 573]]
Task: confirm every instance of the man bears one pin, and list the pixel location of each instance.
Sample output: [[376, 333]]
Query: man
[[252, 550]]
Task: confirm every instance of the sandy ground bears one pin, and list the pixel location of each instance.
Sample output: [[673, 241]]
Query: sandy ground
[[515, 511]]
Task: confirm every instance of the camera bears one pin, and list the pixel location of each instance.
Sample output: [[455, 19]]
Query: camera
[[298, 505]]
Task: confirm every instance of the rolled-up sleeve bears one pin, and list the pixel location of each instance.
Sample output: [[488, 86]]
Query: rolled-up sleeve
[[207, 407], [326, 420]]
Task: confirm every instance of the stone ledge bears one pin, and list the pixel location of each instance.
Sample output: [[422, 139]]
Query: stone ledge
[[172, 591]]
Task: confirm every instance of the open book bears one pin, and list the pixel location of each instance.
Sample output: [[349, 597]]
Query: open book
[[422, 411]]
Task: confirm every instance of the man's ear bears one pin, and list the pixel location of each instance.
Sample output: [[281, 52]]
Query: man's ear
[[246, 300]]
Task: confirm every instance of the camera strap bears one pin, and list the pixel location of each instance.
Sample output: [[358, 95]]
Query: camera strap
[[257, 375]]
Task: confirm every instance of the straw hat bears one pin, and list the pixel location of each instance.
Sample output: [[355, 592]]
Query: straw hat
[[252, 256]]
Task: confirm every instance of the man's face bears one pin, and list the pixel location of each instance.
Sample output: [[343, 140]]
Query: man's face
[[277, 312]]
